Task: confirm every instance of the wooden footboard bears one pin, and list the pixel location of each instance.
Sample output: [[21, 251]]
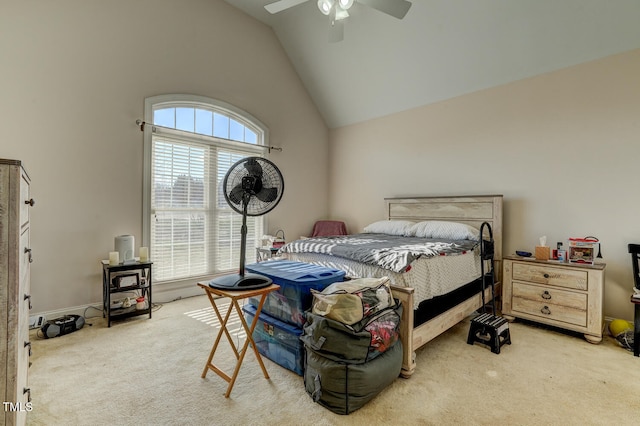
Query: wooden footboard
[[413, 338], [405, 296]]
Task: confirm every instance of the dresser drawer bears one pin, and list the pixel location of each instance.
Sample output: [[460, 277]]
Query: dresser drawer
[[549, 275], [550, 304]]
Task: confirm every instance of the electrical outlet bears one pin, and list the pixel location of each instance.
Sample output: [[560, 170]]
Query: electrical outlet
[[36, 321]]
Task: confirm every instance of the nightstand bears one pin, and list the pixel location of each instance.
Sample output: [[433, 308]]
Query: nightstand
[[560, 294]]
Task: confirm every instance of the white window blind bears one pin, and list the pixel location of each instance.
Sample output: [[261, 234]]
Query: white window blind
[[193, 231]]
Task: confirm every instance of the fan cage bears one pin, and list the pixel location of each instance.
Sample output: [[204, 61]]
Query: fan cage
[[270, 178]]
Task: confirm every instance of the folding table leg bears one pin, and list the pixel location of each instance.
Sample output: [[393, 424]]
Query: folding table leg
[[223, 330], [249, 341]]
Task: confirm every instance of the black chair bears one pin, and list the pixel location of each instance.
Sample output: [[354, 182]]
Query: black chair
[[634, 249]]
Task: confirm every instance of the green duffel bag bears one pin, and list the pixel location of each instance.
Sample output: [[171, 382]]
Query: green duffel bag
[[353, 344], [344, 388]]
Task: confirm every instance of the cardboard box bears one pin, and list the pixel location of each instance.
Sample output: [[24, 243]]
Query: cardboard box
[[542, 252]]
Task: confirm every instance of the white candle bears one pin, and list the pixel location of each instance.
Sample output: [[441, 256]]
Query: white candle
[[144, 254], [114, 258]]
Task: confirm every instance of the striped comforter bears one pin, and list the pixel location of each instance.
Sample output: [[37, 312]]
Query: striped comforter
[[392, 252]]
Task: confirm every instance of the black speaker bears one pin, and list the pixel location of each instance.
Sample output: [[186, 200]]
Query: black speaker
[[63, 325]]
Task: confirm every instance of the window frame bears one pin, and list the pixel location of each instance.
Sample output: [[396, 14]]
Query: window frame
[[152, 103]]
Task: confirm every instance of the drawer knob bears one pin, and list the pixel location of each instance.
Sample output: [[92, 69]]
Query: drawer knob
[[546, 295], [28, 251], [28, 297], [546, 310], [30, 201], [546, 276]]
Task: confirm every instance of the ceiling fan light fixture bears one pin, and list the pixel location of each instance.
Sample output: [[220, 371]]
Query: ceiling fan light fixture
[[341, 13], [345, 4], [325, 6]]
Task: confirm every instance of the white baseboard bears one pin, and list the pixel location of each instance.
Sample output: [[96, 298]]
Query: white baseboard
[[170, 292], [607, 320], [164, 293], [91, 310]]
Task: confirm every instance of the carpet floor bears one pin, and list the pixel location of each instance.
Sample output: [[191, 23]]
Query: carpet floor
[[148, 372]]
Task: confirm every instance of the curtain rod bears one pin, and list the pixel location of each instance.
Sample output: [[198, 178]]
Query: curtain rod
[[142, 124]]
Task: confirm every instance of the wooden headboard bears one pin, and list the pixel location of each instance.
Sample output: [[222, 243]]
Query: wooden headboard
[[469, 209]]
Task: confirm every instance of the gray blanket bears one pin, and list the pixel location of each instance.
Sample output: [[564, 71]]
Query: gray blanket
[[395, 253]]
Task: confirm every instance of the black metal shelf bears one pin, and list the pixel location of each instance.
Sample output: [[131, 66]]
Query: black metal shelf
[[131, 311], [108, 272], [127, 288]]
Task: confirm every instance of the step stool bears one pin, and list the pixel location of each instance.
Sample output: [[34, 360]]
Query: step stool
[[489, 330]]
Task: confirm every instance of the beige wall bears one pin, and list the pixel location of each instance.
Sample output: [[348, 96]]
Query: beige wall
[[562, 148], [75, 75]]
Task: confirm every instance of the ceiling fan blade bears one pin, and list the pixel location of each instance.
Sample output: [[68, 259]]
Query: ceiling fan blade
[[336, 27], [267, 195], [396, 8], [235, 196], [336, 32], [281, 5]]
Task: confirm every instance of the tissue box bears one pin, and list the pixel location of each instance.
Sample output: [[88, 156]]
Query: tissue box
[[542, 252]]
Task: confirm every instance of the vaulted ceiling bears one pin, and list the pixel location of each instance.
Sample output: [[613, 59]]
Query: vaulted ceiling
[[441, 49]]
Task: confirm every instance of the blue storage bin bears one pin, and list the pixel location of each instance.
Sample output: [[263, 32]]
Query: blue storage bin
[[277, 340], [296, 279]]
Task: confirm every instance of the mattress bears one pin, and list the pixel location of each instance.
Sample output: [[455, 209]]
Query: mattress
[[428, 276]]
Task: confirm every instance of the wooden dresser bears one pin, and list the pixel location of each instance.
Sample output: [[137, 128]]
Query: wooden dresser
[[15, 298], [565, 295]]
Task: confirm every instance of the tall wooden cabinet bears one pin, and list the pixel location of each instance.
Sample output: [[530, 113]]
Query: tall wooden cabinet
[[15, 296]]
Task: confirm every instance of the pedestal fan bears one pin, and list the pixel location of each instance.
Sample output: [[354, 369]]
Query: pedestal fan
[[253, 186]]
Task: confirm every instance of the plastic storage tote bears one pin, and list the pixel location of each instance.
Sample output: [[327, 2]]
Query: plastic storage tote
[[277, 340], [296, 279]]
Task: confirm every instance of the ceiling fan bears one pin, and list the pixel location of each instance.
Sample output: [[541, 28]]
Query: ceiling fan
[[337, 10]]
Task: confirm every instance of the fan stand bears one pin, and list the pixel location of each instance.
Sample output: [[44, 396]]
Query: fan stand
[[241, 281]]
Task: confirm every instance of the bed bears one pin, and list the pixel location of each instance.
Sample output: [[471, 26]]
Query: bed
[[438, 291]]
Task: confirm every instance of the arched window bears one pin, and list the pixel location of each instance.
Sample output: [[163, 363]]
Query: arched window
[[189, 227]]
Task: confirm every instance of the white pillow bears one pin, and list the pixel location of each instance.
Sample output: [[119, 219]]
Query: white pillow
[[390, 227], [446, 230]]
